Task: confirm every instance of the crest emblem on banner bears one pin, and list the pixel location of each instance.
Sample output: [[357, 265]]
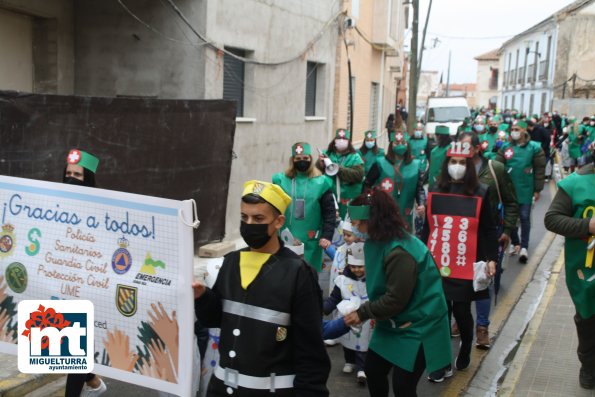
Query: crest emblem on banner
[[126, 299], [121, 260], [16, 277], [7, 240]]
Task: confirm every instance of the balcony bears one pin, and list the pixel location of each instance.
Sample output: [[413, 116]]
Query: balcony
[[531, 73], [543, 70], [381, 34], [512, 77], [521, 76]]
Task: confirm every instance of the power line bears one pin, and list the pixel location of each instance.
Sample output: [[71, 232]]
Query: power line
[[470, 38]]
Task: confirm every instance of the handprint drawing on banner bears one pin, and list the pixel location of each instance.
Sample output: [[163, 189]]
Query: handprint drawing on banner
[[7, 313], [163, 361], [117, 346], [167, 329]]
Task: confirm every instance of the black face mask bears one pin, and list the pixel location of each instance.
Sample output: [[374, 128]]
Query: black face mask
[[256, 235], [493, 129], [302, 165], [73, 181]]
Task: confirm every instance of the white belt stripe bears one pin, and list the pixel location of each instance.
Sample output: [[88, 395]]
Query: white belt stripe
[[271, 382], [256, 313]]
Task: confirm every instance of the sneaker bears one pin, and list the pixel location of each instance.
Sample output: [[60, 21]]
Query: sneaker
[[463, 360], [440, 375], [454, 330], [330, 342], [524, 256], [513, 249], [482, 338], [361, 378], [90, 392], [585, 378], [348, 368]]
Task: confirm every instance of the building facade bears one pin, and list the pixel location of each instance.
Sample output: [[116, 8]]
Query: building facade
[[486, 91]]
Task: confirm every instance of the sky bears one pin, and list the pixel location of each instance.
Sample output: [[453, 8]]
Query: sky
[[493, 21]]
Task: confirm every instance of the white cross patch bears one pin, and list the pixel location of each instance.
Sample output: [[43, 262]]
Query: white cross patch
[[299, 149], [387, 185], [74, 156], [508, 153]]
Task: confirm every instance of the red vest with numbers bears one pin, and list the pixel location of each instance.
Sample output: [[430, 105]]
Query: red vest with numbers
[[454, 222]]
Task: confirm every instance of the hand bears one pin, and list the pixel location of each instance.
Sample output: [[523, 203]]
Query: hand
[[352, 319], [149, 368], [199, 289], [167, 329], [491, 269], [504, 240], [117, 347], [324, 243], [321, 160], [162, 359], [592, 225], [420, 210], [536, 196]]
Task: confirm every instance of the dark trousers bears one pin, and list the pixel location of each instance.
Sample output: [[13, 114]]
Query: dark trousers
[[464, 319], [585, 329], [355, 357], [525, 217], [75, 383], [404, 382]]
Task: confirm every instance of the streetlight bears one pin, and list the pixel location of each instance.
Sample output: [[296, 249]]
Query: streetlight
[[528, 44]]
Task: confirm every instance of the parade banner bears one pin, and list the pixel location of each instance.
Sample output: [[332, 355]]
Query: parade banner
[[130, 255], [454, 221]]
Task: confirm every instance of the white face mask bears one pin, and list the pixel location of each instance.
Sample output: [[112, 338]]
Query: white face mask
[[479, 127], [341, 144], [515, 135], [456, 171], [546, 124], [370, 144], [417, 134]]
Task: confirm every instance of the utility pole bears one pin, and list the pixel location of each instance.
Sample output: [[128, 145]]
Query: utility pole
[[423, 41], [413, 69], [448, 74]]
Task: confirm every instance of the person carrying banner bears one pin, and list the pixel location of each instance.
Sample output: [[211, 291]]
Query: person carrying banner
[[525, 161], [458, 212], [80, 170], [370, 151], [350, 175], [401, 176], [438, 154], [572, 215], [268, 304], [405, 299], [311, 215]]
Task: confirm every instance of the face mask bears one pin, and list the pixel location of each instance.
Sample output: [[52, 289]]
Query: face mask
[[417, 134], [358, 234], [370, 144], [546, 124], [399, 150], [515, 135], [73, 181], [302, 165], [341, 144], [592, 122], [507, 119], [456, 171], [256, 235], [493, 129], [479, 127]]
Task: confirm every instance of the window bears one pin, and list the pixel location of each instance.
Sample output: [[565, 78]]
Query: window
[[406, 17], [311, 78], [233, 79], [493, 85], [505, 102], [512, 104], [374, 93], [543, 102], [535, 61], [522, 104], [516, 68], [531, 103]]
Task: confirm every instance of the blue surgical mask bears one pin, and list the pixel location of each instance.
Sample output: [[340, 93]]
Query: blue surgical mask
[[358, 234], [417, 134], [479, 127], [370, 144]]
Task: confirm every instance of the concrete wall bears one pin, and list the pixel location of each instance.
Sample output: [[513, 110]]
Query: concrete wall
[[274, 96], [51, 41], [577, 107], [118, 55], [16, 51]]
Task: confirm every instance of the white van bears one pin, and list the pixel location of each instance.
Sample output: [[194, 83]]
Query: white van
[[449, 111]]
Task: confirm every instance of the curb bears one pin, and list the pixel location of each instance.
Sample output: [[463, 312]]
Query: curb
[[21, 384]]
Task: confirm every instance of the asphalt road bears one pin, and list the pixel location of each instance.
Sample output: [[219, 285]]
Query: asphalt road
[[341, 384]]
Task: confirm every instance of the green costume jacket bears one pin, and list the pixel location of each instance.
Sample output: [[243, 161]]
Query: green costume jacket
[[370, 158], [525, 163], [423, 322], [418, 150], [569, 215], [437, 157], [306, 228]]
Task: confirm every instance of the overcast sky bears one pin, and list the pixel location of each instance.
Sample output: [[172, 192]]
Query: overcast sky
[[471, 19]]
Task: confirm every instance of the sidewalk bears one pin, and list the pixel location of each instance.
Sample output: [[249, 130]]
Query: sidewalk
[[546, 363]]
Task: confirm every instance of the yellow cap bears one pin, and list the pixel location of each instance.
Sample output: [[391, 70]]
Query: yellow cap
[[271, 193]]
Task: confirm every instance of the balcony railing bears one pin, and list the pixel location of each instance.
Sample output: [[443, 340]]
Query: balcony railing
[[531, 73], [512, 77], [543, 70], [521, 76], [505, 80]]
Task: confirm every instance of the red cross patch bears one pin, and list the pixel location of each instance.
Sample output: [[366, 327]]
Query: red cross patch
[[508, 153], [398, 137], [299, 149], [74, 156], [369, 135], [341, 134], [387, 185]]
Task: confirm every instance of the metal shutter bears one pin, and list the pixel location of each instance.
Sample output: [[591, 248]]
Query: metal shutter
[[311, 89], [233, 79]]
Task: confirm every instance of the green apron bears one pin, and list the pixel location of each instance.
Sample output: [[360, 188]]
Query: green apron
[[426, 311], [309, 229], [519, 163], [402, 185], [574, 145], [580, 280], [348, 191], [491, 141], [437, 157], [370, 158], [418, 150]]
